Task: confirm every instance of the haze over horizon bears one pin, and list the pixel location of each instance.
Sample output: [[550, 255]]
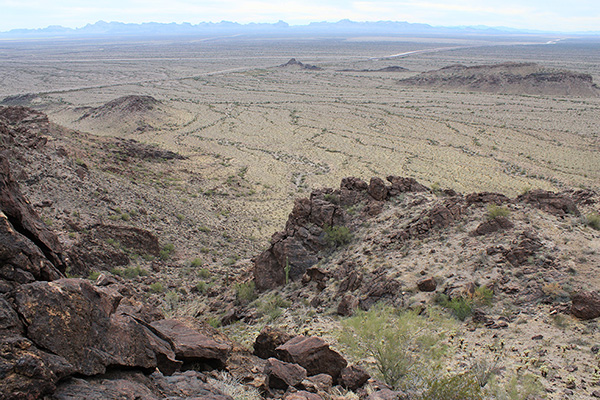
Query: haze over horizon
[[543, 15]]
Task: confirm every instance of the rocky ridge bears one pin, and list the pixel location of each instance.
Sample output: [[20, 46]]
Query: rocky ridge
[[393, 241], [508, 78]]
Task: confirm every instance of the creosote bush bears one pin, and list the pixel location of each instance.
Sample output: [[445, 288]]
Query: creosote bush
[[408, 348], [495, 211], [337, 235], [593, 221], [245, 292], [462, 306], [166, 251]]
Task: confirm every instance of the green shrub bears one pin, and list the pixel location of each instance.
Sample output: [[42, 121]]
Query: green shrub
[[202, 287], [407, 348], [204, 273], [196, 263], [454, 387], [157, 287], [272, 306], [519, 387], [332, 198], [93, 275], [462, 306], [495, 211], [245, 292], [166, 251], [337, 235], [593, 221]]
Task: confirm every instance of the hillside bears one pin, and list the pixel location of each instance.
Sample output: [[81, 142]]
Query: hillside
[[506, 287], [508, 78]]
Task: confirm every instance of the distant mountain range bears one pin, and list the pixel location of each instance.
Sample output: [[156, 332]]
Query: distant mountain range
[[340, 28]]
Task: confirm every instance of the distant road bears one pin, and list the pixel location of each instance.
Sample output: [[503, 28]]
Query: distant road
[[409, 53]]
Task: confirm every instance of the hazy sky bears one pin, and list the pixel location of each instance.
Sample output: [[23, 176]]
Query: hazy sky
[[557, 15]]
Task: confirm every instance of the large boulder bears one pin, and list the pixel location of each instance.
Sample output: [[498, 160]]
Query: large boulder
[[586, 305], [313, 354], [281, 375], [76, 320], [191, 346], [268, 340]]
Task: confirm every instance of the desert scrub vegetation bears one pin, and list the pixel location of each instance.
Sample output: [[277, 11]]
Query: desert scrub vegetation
[[462, 306], [337, 235], [592, 220], [409, 349], [245, 292], [495, 211], [166, 251]]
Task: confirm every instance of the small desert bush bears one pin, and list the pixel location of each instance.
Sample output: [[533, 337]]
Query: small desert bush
[[93, 275], [166, 251], [408, 348], [245, 292], [454, 387], [593, 221], [157, 287], [337, 235], [272, 306], [462, 306], [495, 211], [196, 263], [518, 387]]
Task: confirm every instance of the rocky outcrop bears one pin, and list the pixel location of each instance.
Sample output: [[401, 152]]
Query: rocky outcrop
[[306, 236], [493, 225], [552, 203], [509, 78], [353, 377], [104, 247], [124, 105], [28, 249], [77, 321], [295, 63]]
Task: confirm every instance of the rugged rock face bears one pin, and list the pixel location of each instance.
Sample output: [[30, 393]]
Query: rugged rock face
[[554, 203], [28, 249], [306, 234]]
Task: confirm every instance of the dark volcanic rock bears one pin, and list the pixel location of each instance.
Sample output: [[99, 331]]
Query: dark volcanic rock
[[26, 244], [377, 189], [313, 354], [427, 284], [527, 246], [295, 63], [27, 372], [281, 375], [486, 198], [124, 105], [348, 305], [77, 321], [552, 203], [493, 225], [268, 340], [353, 377], [586, 305], [380, 288], [190, 345], [403, 185]]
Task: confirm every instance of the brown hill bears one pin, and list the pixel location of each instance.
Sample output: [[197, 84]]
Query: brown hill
[[134, 113], [508, 78]]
